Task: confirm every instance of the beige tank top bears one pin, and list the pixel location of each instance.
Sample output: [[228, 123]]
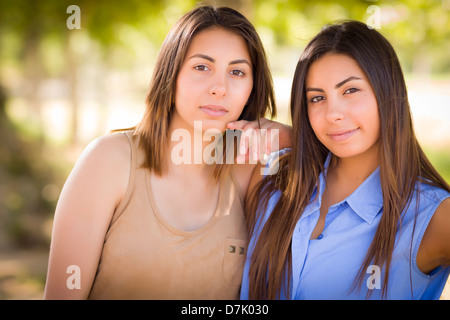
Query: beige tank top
[[144, 257]]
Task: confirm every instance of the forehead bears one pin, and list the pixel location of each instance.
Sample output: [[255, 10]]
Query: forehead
[[218, 41], [333, 67]]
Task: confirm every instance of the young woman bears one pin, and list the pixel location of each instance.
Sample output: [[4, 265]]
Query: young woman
[[356, 210], [135, 222]]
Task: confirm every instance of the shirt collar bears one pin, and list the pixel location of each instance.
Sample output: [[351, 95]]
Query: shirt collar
[[366, 201], [316, 196]]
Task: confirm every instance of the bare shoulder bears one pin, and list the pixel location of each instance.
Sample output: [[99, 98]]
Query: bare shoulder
[[104, 165], [440, 222], [434, 250], [115, 146], [444, 208]]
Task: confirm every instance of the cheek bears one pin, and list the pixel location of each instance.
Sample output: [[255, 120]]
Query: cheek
[[186, 94], [315, 122], [249, 88], [245, 91], [375, 130], [241, 96], [371, 118], [179, 91], [183, 87]]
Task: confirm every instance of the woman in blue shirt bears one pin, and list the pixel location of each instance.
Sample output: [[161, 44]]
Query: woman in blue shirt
[[355, 210]]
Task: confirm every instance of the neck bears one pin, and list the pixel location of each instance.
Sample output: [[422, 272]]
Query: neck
[[354, 170], [191, 151]]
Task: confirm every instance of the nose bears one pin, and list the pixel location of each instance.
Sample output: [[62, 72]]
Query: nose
[[335, 110], [218, 86]]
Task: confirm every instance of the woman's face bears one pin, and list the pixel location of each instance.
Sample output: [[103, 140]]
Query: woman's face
[[342, 107], [215, 80]]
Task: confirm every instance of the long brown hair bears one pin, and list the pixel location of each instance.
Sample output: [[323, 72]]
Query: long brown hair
[[403, 163], [154, 126]]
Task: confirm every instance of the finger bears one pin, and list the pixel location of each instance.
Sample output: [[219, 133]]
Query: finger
[[249, 145], [237, 124], [242, 144], [267, 143], [255, 145], [274, 141], [245, 142], [258, 124], [240, 158], [245, 124]]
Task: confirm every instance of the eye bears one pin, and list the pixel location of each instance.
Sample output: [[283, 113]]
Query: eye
[[237, 72], [316, 99], [351, 90], [201, 67]]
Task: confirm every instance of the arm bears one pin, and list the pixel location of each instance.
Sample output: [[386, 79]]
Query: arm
[[268, 141], [434, 250], [258, 139], [83, 213]]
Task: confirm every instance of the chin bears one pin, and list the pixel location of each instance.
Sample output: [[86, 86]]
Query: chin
[[213, 125], [345, 152]]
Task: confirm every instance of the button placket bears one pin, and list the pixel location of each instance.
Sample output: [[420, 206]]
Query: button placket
[[300, 245]]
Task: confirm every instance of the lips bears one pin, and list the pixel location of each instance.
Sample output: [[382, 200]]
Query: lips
[[342, 135], [214, 110]]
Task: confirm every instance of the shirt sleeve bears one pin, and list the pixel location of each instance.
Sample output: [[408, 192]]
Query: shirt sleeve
[[271, 166]]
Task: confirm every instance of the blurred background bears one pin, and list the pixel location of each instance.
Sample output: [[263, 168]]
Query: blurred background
[[68, 75]]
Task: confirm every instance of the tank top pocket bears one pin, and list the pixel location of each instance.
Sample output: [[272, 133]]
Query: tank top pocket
[[233, 260]]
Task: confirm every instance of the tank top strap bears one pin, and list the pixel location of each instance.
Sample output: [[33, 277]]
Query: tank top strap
[[134, 154], [236, 186]]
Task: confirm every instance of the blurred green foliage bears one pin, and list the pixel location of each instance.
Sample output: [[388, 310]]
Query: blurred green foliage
[[419, 29], [440, 158], [27, 190]]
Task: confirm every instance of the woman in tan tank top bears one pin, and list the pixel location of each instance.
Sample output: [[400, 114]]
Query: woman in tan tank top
[[156, 212]]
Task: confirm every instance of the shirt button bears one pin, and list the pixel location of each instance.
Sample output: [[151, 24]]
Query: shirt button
[[302, 230], [320, 236]]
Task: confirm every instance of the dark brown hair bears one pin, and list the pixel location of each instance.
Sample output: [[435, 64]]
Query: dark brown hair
[[154, 126], [403, 163]]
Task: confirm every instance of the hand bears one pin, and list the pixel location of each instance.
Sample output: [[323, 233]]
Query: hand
[[260, 140]]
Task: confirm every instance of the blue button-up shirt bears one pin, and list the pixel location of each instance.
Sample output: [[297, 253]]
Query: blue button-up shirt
[[326, 267]]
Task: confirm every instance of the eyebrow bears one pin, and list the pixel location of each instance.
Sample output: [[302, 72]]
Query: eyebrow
[[340, 84], [203, 56]]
